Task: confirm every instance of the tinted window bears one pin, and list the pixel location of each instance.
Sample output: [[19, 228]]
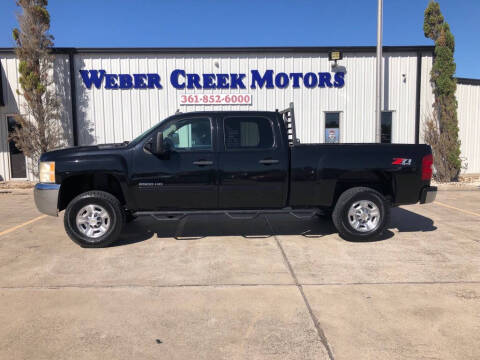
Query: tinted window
[[332, 127], [17, 158], [332, 120], [248, 132], [386, 127], [189, 134]]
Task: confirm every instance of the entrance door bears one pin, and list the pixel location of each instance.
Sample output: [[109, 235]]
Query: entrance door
[[184, 178], [18, 169]]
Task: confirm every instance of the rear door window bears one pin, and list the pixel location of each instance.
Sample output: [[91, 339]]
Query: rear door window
[[248, 133]]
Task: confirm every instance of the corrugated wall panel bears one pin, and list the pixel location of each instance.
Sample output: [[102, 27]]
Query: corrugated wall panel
[[61, 78], [400, 78], [15, 104], [468, 97], [118, 115], [426, 96], [4, 166]]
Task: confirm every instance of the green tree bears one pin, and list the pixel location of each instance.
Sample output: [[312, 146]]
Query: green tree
[[38, 128], [441, 130]]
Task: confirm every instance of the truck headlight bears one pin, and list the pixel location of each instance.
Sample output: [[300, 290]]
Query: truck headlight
[[47, 171]]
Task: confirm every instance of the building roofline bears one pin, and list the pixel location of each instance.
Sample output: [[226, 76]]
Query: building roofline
[[230, 50], [468, 81]]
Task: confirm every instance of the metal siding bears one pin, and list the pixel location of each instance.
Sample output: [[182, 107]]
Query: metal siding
[[61, 86], [13, 102], [400, 97], [468, 97], [3, 125], [119, 115], [426, 95]]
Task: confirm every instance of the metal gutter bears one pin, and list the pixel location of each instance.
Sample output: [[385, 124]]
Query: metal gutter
[[468, 81]]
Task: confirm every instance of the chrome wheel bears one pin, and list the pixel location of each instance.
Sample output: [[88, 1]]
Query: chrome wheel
[[364, 216], [93, 221]]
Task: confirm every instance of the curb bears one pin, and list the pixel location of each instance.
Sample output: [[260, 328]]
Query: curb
[[457, 187]]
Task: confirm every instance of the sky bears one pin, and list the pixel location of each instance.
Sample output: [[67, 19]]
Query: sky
[[198, 23]]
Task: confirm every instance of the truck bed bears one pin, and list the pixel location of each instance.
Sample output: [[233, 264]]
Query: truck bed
[[319, 172]]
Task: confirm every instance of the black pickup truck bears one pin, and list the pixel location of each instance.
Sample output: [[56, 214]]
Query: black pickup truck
[[239, 163]]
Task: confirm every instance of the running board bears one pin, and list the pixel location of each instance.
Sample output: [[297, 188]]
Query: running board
[[232, 214]]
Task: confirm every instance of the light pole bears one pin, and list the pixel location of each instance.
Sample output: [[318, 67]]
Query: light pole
[[378, 98]]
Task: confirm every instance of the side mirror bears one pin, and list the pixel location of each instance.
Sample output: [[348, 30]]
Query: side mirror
[[157, 145]]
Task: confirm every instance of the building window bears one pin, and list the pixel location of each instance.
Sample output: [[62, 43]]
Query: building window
[[332, 127], [248, 133], [387, 127], [18, 168]]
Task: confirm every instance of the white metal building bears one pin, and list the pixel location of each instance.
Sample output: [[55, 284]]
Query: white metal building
[[112, 95], [468, 97]]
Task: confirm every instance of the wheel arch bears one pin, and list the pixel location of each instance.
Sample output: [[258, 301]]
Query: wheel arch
[[379, 181], [78, 184]]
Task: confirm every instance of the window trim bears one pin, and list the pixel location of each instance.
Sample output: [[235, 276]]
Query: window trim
[[340, 125], [273, 147]]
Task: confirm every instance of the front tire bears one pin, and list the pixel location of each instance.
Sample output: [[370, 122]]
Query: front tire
[[361, 214], [94, 219]]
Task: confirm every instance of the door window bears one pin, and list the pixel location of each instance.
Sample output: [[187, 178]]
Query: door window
[[189, 135], [332, 127], [17, 158], [248, 133]]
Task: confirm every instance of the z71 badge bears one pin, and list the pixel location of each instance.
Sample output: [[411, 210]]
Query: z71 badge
[[402, 161]]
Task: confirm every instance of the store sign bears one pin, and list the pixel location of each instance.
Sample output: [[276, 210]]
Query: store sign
[[180, 79]]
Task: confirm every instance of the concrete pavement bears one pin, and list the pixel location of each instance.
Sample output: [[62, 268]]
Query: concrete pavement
[[214, 288]]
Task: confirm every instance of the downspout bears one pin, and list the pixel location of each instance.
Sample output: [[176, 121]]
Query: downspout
[[418, 97]]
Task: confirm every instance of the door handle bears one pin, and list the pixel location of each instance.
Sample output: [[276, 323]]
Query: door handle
[[268, 161], [202, 162]]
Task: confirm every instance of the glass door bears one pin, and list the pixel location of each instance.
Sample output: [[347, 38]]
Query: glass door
[[18, 169]]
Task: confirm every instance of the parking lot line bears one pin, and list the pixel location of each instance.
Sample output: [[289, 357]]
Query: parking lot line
[[5, 232], [455, 208]]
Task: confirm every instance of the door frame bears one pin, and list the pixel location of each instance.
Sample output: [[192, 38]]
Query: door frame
[[393, 134], [341, 138], [277, 147], [10, 178], [139, 148]]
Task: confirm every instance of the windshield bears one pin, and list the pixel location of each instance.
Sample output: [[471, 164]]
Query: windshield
[[142, 135]]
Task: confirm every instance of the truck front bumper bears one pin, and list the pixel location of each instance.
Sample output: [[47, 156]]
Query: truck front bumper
[[428, 194], [46, 198]]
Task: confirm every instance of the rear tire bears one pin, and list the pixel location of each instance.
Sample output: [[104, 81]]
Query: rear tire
[[361, 214], [94, 219]]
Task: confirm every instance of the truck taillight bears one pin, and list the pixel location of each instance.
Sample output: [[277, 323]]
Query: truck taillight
[[427, 167]]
